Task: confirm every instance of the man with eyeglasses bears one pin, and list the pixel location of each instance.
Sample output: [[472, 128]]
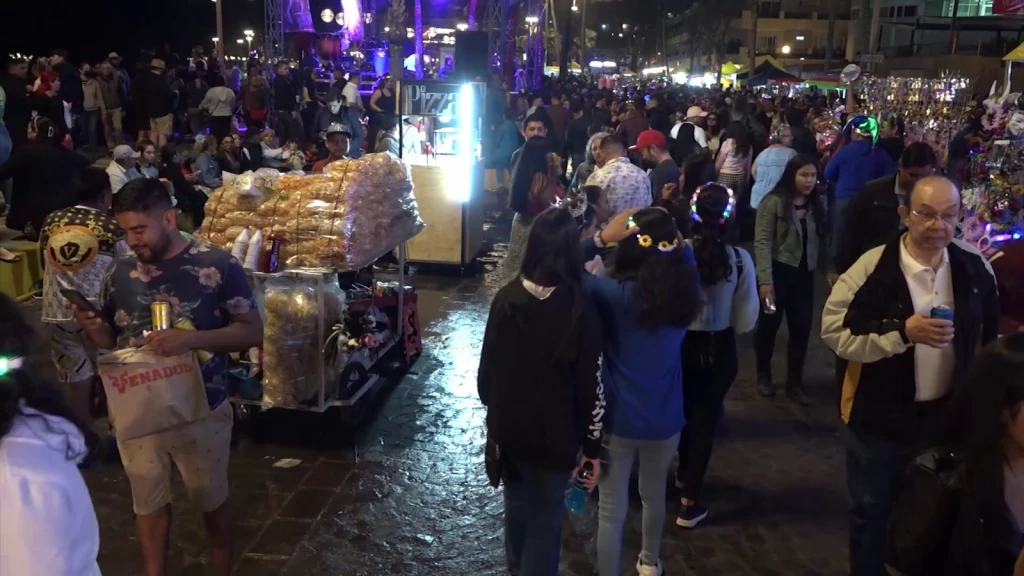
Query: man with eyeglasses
[[901, 366]]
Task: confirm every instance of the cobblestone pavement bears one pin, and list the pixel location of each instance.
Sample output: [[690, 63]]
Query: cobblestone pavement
[[405, 493]]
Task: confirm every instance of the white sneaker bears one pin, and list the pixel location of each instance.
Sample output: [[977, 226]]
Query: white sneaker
[[645, 570]]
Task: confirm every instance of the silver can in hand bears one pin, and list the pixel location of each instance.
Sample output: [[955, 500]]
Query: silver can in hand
[[769, 306]]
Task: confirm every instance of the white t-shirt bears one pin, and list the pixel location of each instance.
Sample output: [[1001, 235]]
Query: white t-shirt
[[350, 92], [47, 522]]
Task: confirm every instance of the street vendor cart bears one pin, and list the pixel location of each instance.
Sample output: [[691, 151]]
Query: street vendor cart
[[329, 333]]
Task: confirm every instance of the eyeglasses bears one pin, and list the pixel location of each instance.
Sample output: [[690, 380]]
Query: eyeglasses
[[950, 220]]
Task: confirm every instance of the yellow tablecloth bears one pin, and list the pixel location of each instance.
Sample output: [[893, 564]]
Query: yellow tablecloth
[[16, 279]]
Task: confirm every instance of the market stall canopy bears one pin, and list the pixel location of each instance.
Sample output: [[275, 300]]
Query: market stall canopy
[[730, 68], [1016, 55], [763, 64], [772, 74], [824, 81]]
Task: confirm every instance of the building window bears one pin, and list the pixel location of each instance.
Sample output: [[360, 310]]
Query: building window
[[766, 44], [909, 11], [769, 9], [855, 13]]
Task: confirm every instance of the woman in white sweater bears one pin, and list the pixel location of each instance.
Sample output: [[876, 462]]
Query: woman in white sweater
[[47, 522]]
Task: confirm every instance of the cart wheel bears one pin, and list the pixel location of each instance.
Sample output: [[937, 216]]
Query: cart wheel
[[352, 377]]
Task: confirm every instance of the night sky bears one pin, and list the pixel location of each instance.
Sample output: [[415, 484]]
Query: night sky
[[89, 29]]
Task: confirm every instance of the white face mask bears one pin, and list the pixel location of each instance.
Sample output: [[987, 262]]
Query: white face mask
[[335, 107]]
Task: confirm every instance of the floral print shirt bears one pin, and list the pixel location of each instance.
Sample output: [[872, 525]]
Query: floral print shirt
[[625, 186], [203, 284]]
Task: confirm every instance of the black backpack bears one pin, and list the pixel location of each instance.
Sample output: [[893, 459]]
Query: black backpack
[[684, 144]]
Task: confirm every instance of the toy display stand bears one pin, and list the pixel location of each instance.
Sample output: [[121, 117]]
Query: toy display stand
[[395, 336]]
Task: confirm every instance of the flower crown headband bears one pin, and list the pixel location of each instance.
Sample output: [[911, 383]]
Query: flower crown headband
[[645, 241], [729, 206]]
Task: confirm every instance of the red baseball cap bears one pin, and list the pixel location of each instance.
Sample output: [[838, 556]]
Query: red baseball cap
[[650, 138], [1007, 261]]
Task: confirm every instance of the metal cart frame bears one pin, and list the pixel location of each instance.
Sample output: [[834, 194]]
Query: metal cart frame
[[323, 403]]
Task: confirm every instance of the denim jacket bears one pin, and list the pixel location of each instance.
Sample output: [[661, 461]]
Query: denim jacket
[[774, 241], [209, 171]]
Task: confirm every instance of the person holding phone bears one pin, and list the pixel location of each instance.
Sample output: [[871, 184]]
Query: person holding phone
[[789, 234], [79, 244]]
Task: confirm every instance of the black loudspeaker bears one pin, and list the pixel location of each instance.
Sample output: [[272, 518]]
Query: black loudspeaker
[[471, 55]]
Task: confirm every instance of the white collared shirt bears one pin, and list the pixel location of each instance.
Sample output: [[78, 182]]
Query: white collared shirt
[[933, 367]]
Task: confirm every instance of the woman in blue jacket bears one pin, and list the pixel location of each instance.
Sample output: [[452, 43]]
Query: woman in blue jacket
[[645, 306]]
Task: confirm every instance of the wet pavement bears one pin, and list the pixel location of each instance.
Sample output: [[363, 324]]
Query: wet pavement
[[405, 491]]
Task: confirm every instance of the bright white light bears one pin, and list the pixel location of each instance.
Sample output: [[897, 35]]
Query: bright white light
[[679, 77], [596, 64], [426, 58], [657, 70], [387, 29], [240, 41], [575, 8], [248, 33], [801, 58], [462, 26], [625, 26], [327, 15], [531, 19], [604, 26], [620, 34], [339, 18], [215, 39], [799, 37], [467, 148], [608, 64], [786, 49]]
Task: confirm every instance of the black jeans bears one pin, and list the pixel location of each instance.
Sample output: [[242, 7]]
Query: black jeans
[[534, 509], [876, 468], [794, 297], [220, 127], [709, 369]]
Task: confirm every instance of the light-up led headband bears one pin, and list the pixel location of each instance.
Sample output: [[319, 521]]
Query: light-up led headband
[[729, 206]]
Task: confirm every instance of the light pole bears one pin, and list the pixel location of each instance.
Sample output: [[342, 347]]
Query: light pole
[[218, 47], [248, 38]]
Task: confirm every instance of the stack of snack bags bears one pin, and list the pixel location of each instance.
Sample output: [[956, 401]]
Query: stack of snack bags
[[293, 339], [343, 219]]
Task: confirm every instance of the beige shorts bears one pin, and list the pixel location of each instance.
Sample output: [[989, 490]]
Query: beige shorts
[[199, 450], [163, 125]]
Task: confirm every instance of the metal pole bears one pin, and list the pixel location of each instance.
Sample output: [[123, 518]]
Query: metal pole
[[952, 27], [583, 35], [220, 33], [876, 14], [664, 44]]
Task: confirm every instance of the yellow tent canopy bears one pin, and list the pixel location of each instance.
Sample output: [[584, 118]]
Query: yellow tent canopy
[[1015, 54], [730, 68]]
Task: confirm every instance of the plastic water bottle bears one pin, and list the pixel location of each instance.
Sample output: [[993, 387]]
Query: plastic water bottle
[[241, 245], [576, 497], [252, 255]]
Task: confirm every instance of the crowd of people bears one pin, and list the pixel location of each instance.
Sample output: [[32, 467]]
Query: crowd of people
[[629, 282], [651, 228], [216, 120]]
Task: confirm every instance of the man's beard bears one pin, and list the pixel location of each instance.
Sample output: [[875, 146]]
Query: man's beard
[[158, 251]]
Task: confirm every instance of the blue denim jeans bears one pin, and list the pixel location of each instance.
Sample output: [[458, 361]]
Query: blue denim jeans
[[534, 510], [875, 470], [89, 123], [5, 153], [617, 467], [839, 209]]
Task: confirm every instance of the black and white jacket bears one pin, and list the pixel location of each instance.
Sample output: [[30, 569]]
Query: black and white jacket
[[540, 376], [864, 320]]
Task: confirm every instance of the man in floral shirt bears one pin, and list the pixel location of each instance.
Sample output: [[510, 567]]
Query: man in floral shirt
[[208, 287], [625, 186]]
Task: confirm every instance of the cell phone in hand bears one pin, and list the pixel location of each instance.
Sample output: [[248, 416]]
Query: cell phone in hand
[[80, 301]]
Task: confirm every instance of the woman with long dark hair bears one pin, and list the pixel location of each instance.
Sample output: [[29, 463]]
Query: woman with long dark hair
[[789, 235], [961, 511], [734, 158], [729, 294], [646, 304], [540, 380], [48, 525], [535, 187]]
